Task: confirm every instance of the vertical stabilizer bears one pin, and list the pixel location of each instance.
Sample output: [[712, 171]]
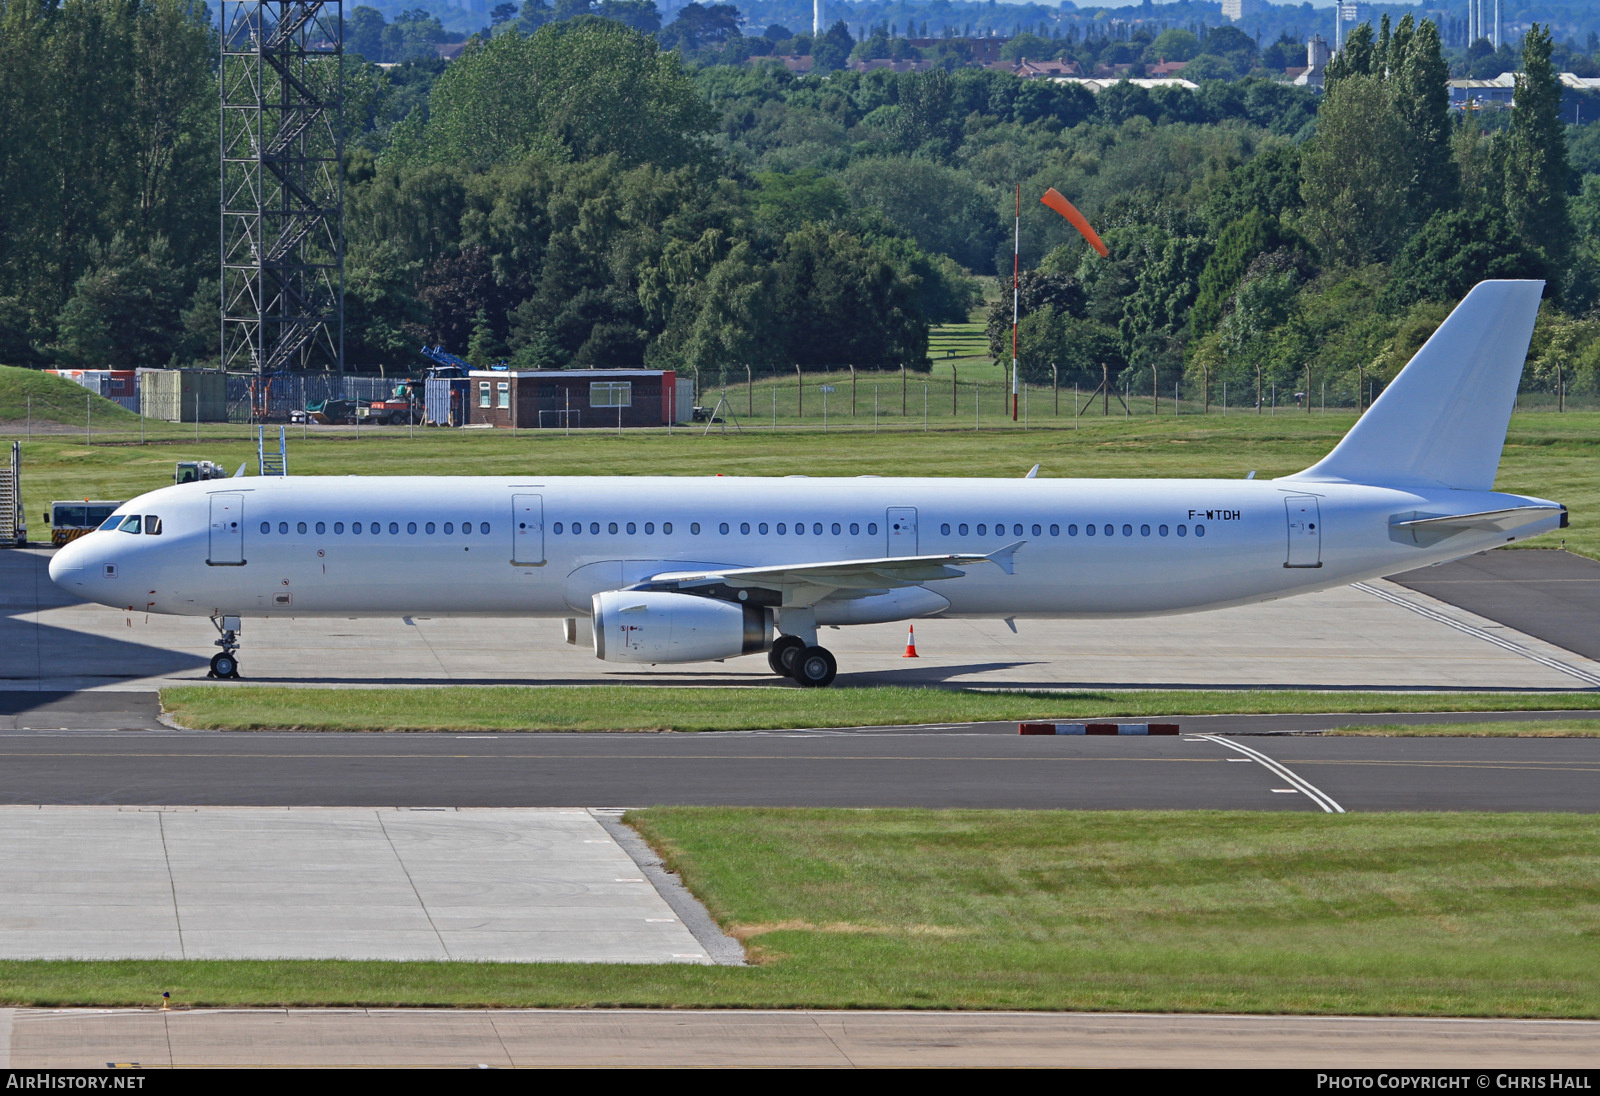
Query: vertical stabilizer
[[1442, 422]]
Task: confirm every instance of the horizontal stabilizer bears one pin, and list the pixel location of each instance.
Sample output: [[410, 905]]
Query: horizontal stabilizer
[[1442, 421], [1424, 530]]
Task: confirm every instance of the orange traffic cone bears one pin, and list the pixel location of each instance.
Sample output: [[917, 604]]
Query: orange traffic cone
[[911, 642]]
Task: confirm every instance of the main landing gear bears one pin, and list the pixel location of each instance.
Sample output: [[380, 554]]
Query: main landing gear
[[811, 667], [226, 664]]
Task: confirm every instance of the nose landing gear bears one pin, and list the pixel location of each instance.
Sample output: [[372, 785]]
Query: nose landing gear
[[226, 665]]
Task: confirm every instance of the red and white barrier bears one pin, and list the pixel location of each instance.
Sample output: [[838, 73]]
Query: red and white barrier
[[1098, 728]]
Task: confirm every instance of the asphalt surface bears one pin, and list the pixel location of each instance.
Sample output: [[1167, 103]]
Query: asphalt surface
[[1550, 594], [978, 766]]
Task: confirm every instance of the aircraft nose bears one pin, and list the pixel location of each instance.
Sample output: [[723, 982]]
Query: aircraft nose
[[66, 566]]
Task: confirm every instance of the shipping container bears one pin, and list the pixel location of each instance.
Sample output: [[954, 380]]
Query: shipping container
[[179, 395]]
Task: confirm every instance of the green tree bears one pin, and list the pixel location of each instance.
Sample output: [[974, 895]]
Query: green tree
[[1237, 247], [1454, 251], [831, 51], [1421, 100], [581, 89], [1536, 153], [943, 209], [126, 310], [1355, 174]]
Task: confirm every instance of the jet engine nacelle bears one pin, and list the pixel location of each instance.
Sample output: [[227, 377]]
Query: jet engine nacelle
[[653, 626]]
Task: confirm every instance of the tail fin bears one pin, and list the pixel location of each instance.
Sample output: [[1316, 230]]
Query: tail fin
[[1442, 422]]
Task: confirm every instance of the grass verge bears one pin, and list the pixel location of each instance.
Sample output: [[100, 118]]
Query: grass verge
[[666, 708], [1386, 914], [1535, 728]]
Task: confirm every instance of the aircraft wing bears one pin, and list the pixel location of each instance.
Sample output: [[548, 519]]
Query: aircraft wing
[[1430, 530], [807, 583]]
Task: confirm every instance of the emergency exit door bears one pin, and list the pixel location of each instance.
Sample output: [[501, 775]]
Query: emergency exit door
[[1305, 531], [527, 530], [227, 531], [900, 522]]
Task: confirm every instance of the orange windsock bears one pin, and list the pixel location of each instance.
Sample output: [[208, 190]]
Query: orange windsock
[[1055, 201]]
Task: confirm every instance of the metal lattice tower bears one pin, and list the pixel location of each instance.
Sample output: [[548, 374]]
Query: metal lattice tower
[[282, 135]]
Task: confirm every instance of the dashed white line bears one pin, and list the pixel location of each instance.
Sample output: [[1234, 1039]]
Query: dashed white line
[[1318, 797]]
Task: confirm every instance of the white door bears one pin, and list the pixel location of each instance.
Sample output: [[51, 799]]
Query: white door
[[1305, 531], [901, 524], [527, 530], [227, 531]]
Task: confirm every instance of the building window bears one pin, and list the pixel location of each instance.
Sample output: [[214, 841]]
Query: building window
[[611, 394], [504, 393], [483, 393]]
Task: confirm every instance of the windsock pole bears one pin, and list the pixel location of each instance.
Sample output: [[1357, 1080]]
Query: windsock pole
[[1016, 272]]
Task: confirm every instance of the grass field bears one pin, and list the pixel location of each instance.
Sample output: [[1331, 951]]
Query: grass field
[[1547, 454], [660, 708], [1533, 728], [1379, 914]]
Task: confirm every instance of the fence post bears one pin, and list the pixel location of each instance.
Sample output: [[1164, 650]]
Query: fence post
[[852, 392], [750, 394], [799, 393]]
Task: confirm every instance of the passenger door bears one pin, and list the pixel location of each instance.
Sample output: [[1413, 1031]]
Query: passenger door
[[227, 531], [527, 530], [900, 523], [1305, 531]]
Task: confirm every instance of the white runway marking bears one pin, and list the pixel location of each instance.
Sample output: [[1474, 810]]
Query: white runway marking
[[1318, 797]]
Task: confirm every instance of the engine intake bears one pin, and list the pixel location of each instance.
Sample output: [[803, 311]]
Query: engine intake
[[655, 626]]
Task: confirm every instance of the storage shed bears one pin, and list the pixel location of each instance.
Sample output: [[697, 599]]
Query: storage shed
[[573, 398], [178, 395]]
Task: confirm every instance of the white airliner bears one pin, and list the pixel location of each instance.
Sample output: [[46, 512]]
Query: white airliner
[[673, 569]]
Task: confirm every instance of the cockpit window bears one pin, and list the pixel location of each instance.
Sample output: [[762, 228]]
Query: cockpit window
[[130, 524], [112, 522], [152, 525]]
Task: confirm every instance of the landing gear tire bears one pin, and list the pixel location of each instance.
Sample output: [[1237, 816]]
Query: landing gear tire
[[785, 653], [815, 668], [224, 665]]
